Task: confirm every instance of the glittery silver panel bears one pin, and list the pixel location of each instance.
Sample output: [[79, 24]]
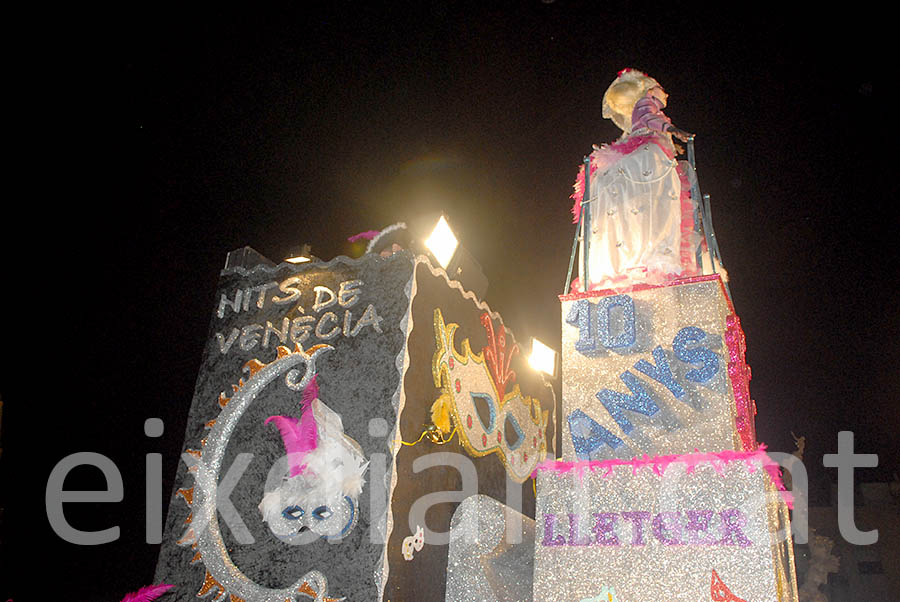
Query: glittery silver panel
[[657, 357], [255, 311], [211, 546], [656, 537], [491, 557]]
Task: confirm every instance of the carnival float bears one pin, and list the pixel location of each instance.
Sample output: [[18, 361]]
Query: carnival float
[[369, 429]]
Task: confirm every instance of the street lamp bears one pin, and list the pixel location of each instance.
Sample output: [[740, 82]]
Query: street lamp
[[442, 242], [456, 260], [434, 238]]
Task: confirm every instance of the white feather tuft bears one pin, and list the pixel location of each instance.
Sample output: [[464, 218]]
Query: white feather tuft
[[333, 470]]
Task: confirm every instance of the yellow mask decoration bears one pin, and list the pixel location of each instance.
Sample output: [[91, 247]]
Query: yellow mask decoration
[[473, 395]]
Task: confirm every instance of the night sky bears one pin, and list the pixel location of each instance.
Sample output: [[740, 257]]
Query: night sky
[[156, 143]]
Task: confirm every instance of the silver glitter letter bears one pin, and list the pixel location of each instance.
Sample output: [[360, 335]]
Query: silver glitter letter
[[348, 293], [263, 288], [225, 344], [320, 302], [328, 315], [281, 334], [287, 287], [249, 336], [300, 328], [235, 305], [369, 317]]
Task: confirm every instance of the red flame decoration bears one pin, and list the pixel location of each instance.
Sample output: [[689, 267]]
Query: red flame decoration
[[497, 359], [719, 592]]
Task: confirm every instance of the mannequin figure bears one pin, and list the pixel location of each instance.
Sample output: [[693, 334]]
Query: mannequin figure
[[641, 212]]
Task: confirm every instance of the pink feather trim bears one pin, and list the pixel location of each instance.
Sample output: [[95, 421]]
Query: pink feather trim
[[299, 436], [659, 464], [146, 594], [597, 291], [367, 235], [739, 373]]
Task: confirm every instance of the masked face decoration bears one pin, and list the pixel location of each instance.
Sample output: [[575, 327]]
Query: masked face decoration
[[489, 418], [319, 492]]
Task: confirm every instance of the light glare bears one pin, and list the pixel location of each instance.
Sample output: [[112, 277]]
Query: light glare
[[442, 243], [542, 358]]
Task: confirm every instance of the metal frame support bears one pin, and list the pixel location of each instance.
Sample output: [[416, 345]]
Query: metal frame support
[[703, 211], [584, 225]]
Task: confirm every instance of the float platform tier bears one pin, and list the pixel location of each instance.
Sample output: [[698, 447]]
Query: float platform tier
[[656, 370], [691, 527]]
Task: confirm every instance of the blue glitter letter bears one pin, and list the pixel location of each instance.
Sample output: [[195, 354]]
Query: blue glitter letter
[[580, 315], [639, 401], [697, 355], [661, 373], [604, 309], [588, 436]]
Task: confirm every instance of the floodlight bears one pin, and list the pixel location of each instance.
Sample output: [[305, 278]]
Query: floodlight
[[542, 358], [300, 254]]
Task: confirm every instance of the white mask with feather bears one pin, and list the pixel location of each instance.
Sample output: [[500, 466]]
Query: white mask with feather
[[319, 492]]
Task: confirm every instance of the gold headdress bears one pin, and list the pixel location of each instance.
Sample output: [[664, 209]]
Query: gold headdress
[[619, 99]]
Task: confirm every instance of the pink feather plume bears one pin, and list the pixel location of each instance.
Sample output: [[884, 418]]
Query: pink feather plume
[[146, 594], [299, 436], [367, 235]]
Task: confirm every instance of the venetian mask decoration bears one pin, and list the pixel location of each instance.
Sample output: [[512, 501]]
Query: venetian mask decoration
[[318, 495], [474, 397], [413, 543]]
